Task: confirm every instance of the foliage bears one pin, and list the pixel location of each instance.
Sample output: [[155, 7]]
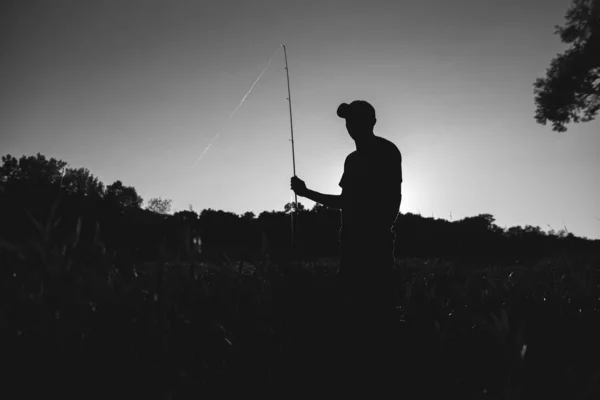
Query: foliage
[[293, 207], [571, 89], [159, 205], [123, 196], [186, 329], [33, 168], [37, 173], [186, 215], [248, 215], [117, 209], [126, 303], [81, 181]]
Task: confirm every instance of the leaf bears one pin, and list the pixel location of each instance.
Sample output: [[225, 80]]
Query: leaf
[[523, 351], [51, 217], [97, 231], [497, 322], [77, 232], [8, 246], [97, 242], [227, 259], [36, 224], [69, 263]]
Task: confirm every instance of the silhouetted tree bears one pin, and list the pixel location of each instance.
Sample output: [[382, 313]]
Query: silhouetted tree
[[159, 205], [81, 181], [478, 224], [248, 216], [515, 231], [186, 215], [290, 207], [571, 89], [33, 169], [9, 169], [533, 230], [562, 233], [31, 183], [123, 196]]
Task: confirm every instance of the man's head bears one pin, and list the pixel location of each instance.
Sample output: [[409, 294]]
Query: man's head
[[360, 118]]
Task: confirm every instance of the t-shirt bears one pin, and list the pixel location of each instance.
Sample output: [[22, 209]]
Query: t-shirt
[[371, 188]]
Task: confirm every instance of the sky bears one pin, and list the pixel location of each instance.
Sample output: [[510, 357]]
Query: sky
[[136, 90]]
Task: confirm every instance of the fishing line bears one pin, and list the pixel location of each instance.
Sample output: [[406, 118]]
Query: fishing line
[[239, 105], [293, 213]]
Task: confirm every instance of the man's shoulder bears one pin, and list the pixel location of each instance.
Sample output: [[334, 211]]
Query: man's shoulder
[[350, 157], [389, 146]]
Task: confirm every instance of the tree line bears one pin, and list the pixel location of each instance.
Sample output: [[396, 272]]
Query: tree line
[[34, 188]]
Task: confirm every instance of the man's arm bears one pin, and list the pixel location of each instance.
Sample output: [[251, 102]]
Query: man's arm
[[328, 200]]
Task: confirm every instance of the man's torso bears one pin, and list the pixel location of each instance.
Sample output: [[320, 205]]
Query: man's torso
[[371, 186]]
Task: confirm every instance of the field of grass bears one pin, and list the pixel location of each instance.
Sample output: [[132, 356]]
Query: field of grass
[[73, 324]]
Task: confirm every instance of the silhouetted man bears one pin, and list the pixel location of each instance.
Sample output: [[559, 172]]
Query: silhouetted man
[[370, 202], [370, 199]]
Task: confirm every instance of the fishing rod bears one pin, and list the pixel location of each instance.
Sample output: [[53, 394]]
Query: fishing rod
[[289, 98]]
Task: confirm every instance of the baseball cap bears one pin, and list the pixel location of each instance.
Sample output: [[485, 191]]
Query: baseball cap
[[357, 109]]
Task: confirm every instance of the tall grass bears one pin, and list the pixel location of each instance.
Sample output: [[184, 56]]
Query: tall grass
[[73, 323]]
